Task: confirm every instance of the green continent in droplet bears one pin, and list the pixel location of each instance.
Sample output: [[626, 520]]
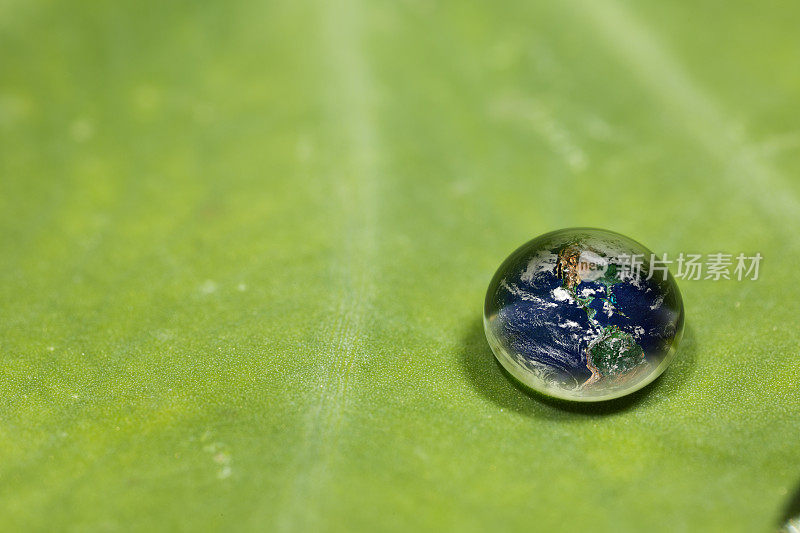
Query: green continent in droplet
[[614, 353]]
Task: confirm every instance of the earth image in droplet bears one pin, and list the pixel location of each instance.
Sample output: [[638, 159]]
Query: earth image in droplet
[[579, 314]]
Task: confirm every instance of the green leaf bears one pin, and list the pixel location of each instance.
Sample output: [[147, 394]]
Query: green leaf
[[244, 248]]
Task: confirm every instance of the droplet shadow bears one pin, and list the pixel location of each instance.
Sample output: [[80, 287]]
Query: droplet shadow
[[492, 381], [790, 512]]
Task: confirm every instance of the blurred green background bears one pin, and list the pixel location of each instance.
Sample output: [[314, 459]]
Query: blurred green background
[[244, 247]]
